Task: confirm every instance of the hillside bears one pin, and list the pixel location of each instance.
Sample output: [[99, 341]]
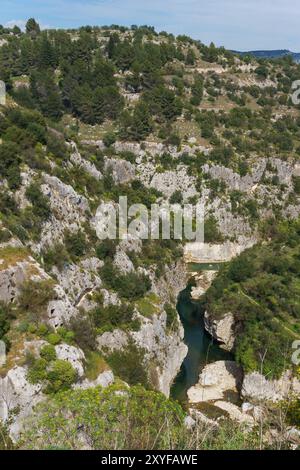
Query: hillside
[[271, 54], [97, 113]]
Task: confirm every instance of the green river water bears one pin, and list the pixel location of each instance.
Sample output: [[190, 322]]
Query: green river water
[[202, 349]]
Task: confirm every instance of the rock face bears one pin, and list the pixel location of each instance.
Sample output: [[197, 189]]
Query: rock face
[[17, 393], [104, 379], [235, 413], [166, 349], [122, 170], [199, 252], [257, 388], [171, 181], [75, 356], [203, 281], [222, 330], [12, 277], [87, 166], [79, 279], [217, 381]]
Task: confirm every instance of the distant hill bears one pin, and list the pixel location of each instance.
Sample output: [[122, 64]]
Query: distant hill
[[273, 54]]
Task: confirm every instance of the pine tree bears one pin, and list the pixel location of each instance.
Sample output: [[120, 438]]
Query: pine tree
[[32, 27]]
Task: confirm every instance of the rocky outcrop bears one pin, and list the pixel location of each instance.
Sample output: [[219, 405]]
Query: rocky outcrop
[[104, 379], [165, 349], [16, 267], [203, 281], [201, 252], [122, 170], [17, 394], [79, 279], [123, 262], [69, 212], [74, 355], [217, 381], [171, 181], [87, 166], [235, 412], [222, 330], [257, 388]]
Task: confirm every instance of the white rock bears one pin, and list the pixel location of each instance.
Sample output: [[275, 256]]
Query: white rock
[[16, 393], [221, 329], [215, 380], [235, 413], [75, 356], [256, 387], [104, 380]]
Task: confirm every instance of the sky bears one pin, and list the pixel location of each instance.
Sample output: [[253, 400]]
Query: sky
[[234, 24]]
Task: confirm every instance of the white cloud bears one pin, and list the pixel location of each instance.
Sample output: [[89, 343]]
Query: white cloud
[[22, 24], [12, 23]]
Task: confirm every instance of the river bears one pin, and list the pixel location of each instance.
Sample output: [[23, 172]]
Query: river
[[202, 349]]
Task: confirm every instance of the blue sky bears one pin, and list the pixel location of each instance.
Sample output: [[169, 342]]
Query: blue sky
[[236, 24]]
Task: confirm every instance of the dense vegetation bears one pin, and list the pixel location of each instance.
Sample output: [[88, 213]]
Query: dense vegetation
[[261, 288]]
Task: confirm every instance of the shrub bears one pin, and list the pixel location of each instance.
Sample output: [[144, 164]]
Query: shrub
[[211, 231], [109, 139], [128, 364], [60, 376], [130, 286], [84, 331], [106, 249], [56, 256], [138, 419], [48, 353], [36, 294], [176, 197], [40, 202], [172, 316], [75, 244], [54, 338]]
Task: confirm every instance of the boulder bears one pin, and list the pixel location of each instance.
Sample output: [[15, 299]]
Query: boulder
[[104, 379], [217, 381], [221, 329], [235, 413], [257, 388]]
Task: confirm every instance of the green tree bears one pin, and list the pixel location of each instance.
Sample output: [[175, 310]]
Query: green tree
[[32, 27]]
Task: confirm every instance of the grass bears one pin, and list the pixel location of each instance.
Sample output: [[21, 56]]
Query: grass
[[15, 355], [95, 365], [10, 255], [148, 305]]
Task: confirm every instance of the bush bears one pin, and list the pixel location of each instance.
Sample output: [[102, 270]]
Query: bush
[[48, 353], [176, 197], [39, 202], [211, 231], [128, 364], [56, 256], [109, 139], [60, 376], [106, 249], [131, 286], [36, 295], [54, 338], [138, 419], [172, 316], [84, 331], [76, 244]]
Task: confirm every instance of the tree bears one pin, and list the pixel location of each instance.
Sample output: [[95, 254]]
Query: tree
[[190, 57], [197, 91], [32, 27], [46, 94]]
